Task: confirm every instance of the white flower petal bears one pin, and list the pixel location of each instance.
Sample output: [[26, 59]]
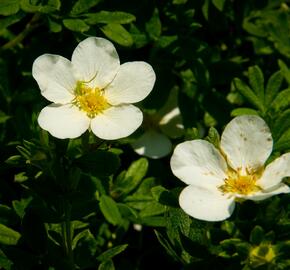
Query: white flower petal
[[206, 204], [133, 82], [54, 75], [152, 144], [117, 122], [247, 142], [96, 61], [171, 123], [275, 172], [262, 195], [63, 121], [198, 162]]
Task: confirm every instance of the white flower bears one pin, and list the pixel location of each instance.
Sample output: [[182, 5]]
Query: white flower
[[159, 128], [216, 178], [92, 91]]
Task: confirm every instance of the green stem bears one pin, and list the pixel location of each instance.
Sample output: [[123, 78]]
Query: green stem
[[30, 26], [67, 236]]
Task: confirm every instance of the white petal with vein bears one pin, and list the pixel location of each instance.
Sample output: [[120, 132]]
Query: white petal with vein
[[96, 61], [275, 172], [133, 82], [63, 121], [198, 162], [55, 78], [247, 142], [206, 203], [117, 122]]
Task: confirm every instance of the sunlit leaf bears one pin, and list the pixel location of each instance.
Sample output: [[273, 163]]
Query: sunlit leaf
[[8, 236], [9, 7], [118, 33], [110, 210], [76, 25], [112, 252], [106, 17], [81, 6]]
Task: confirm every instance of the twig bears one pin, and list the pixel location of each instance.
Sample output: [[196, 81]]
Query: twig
[[30, 26]]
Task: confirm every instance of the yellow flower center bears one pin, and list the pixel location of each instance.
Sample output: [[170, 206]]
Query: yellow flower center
[[90, 100], [240, 184]]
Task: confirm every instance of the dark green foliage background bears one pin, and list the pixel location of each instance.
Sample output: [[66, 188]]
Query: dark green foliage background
[[225, 57]]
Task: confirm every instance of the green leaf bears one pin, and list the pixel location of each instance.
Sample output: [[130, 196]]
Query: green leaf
[[154, 221], [205, 9], [83, 234], [132, 178], [284, 142], [137, 171], [127, 212], [167, 246], [107, 265], [143, 193], [8, 236], [285, 70], [273, 87], [99, 163], [118, 33], [83, 5], [248, 94], [112, 252], [85, 248], [21, 205], [110, 210], [20, 177], [164, 196], [140, 38], [153, 26], [243, 111], [165, 41], [256, 79], [192, 134], [14, 160], [54, 26], [5, 263], [179, 2], [9, 7], [4, 117], [50, 7], [282, 101], [219, 4], [76, 25], [282, 123], [257, 235], [178, 221], [152, 209], [106, 17], [213, 137], [252, 28]]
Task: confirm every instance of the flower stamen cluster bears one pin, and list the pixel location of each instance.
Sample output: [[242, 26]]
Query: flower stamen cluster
[[236, 183], [90, 100]]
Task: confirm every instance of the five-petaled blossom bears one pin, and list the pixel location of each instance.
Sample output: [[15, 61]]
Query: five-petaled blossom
[[235, 171], [92, 91], [158, 128]]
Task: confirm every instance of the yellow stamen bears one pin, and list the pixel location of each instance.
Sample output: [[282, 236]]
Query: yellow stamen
[[240, 184], [90, 100]]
